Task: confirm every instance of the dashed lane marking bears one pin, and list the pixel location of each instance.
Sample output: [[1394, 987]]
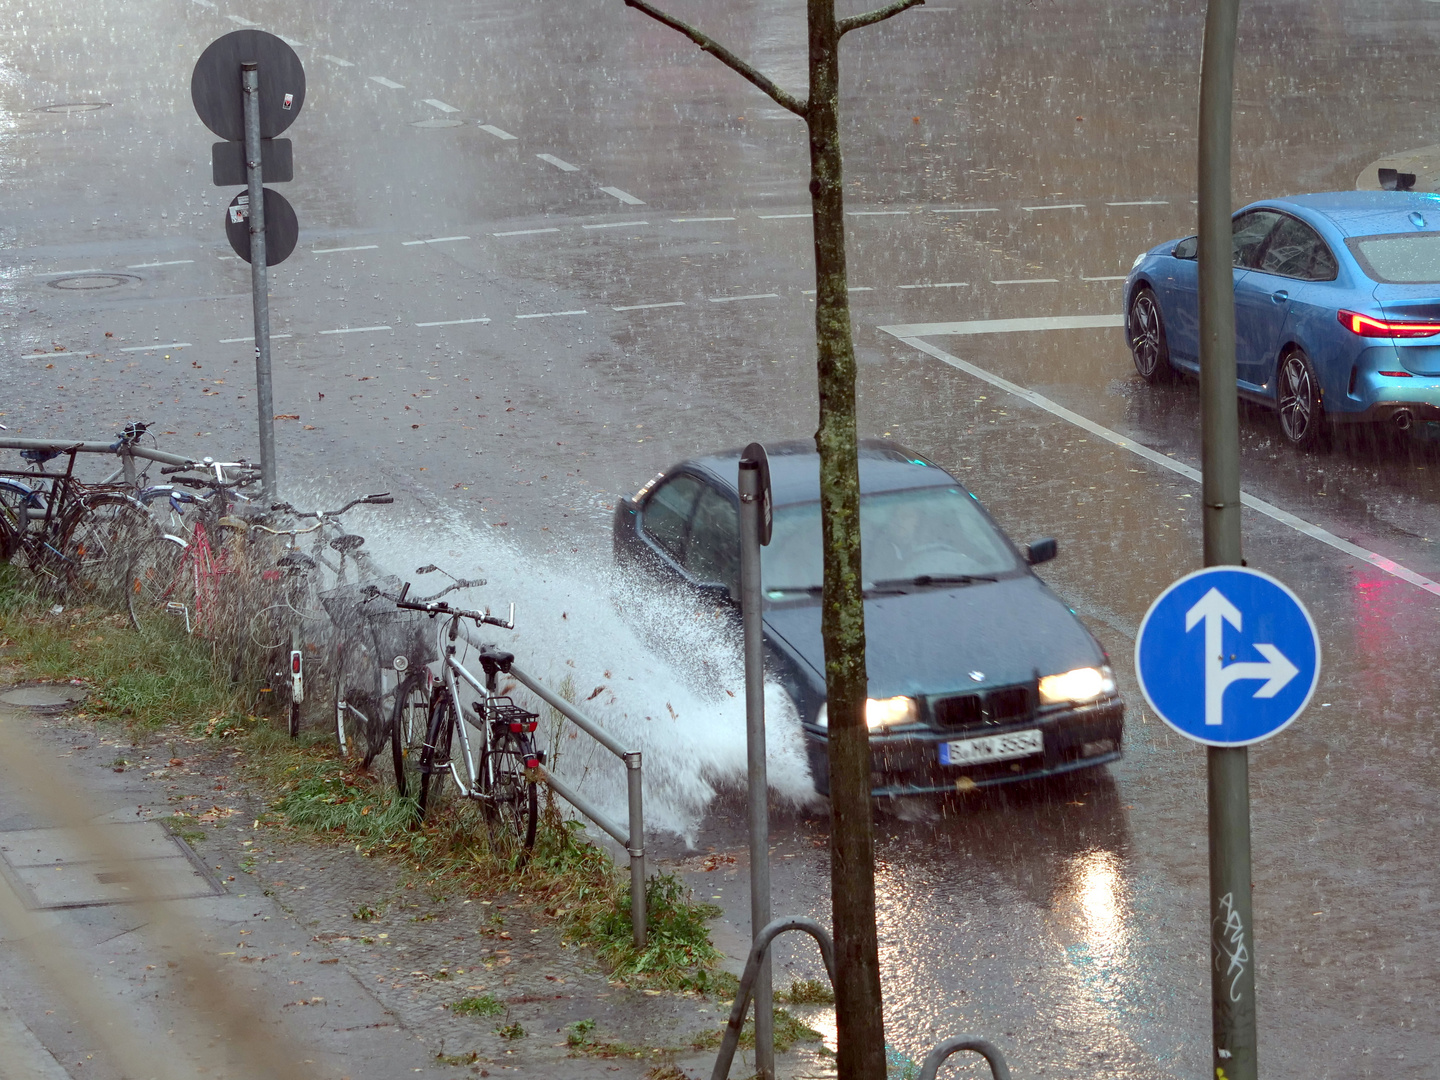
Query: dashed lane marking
[[693, 220], [968, 210], [848, 288], [1141, 202], [563, 166], [779, 217], [390, 83], [332, 251], [912, 334], [1056, 206], [551, 314], [645, 307], [748, 296], [172, 262], [67, 273], [436, 103], [499, 133], [937, 285], [292, 42], [233, 340], [336, 60], [149, 348], [624, 196], [1007, 326], [1028, 281], [524, 232], [1108, 277], [437, 240], [452, 322], [877, 213], [240, 21], [356, 329], [614, 224]]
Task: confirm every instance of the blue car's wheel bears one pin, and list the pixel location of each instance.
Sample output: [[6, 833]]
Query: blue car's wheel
[[1147, 338], [1302, 409]]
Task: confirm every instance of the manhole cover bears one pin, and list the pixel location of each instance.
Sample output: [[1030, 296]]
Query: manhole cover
[[92, 281], [42, 697], [436, 123], [74, 106]]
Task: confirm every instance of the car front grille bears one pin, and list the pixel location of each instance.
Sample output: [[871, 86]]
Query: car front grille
[[1003, 705]]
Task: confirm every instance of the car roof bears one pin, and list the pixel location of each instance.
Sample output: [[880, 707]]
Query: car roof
[[1364, 213], [795, 469]]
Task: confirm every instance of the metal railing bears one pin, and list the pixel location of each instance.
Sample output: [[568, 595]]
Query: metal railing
[[633, 839], [127, 452]]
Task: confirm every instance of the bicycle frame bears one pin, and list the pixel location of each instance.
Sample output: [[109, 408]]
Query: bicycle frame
[[452, 671]]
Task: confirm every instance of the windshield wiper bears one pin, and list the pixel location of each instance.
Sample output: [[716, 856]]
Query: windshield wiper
[[922, 580], [808, 590]]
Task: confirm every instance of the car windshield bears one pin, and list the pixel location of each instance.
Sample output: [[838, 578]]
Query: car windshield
[[922, 535], [1399, 259]]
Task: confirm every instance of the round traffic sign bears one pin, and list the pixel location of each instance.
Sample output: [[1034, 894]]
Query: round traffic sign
[[282, 228], [215, 84], [1227, 656]]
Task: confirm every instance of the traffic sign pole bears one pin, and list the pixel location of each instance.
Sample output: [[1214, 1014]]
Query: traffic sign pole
[[259, 274], [1232, 936]]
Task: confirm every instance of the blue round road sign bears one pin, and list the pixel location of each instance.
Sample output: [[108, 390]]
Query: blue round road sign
[[1227, 656]]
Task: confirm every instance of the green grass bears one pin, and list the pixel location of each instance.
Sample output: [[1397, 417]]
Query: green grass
[[484, 1005], [807, 992], [511, 1031]]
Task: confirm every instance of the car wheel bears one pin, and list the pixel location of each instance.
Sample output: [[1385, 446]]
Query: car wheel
[[1147, 338], [1298, 395]]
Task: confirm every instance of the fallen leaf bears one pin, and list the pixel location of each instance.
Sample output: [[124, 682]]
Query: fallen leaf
[[286, 416]]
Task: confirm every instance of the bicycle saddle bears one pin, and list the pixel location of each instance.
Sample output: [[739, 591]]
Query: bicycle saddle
[[296, 560], [347, 542], [493, 659], [39, 457]]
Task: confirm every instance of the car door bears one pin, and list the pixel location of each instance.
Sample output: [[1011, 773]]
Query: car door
[[1256, 321], [1294, 254], [665, 523], [1310, 273], [1179, 292]]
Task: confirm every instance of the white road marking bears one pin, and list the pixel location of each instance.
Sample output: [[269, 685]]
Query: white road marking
[[436, 103], [336, 60], [383, 81], [437, 240], [67, 273], [206, 3], [749, 296], [332, 251], [238, 21], [172, 262], [614, 224], [850, 288], [233, 340], [1005, 326], [683, 220], [911, 335], [499, 133], [1141, 202], [668, 303], [937, 285], [969, 210], [356, 329], [623, 196], [1027, 281], [1057, 206], [524, 232], [877, 213], [563, 166], [1112, 277], [551, 314], [452, 322], [148, 348], [777, 217], [292, 42]]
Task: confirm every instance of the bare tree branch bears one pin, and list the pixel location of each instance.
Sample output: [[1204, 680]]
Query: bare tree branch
[[726, 57], [871, 17]]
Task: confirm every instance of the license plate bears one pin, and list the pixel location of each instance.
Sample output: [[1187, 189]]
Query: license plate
[[1013, 744]]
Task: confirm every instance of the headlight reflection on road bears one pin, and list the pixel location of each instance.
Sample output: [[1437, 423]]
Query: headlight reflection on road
[[1097, 894]]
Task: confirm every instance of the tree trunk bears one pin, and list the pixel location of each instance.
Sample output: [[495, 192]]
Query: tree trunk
[[859, 1022]]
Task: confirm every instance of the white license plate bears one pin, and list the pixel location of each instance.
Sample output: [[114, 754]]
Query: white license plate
[[1013, 744]]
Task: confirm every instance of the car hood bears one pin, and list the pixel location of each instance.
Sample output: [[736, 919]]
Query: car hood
[[928, 641]]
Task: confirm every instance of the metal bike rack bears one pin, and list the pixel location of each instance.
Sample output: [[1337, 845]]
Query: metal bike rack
[[125, 452], [632, 840], [998, 1069]]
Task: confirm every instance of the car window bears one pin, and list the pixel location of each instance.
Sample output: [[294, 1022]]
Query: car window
[[667, 514], [1247, 236], [903, 534], [713, 553], [1399, 258], [1296, 250]]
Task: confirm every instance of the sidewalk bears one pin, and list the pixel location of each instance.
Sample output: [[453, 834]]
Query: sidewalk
[[325, 943]]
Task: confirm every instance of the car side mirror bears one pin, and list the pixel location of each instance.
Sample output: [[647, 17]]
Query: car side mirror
[[1041, 550], [1189, 248]]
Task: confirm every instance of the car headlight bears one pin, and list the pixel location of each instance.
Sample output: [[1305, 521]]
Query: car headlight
[[1078, 686], [880, 713]]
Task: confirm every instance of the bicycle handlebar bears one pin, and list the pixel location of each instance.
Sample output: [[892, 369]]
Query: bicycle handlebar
[[432, 608], [379, 498]]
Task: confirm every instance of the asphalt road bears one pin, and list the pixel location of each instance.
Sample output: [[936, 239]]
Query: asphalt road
[[549, 249]]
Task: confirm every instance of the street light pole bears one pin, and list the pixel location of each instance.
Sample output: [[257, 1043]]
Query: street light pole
[[1232, 940]]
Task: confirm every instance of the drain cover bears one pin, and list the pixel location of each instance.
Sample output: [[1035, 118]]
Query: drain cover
[[436, 123], [74, 106], [117, 863], [92, 281], [43, 698]]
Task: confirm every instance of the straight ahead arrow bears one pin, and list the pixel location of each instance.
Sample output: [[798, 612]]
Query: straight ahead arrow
[[1276, 669]]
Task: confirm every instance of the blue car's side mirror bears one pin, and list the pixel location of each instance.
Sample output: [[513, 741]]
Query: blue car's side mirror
[[1188, 248], [1041, 550]]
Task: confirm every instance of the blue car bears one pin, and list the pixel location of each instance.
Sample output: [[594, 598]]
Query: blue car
[[1337, 309]]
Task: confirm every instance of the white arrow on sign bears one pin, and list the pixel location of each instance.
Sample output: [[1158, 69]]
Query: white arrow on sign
[[1276, 669]]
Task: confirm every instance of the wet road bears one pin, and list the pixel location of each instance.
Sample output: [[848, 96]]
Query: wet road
[[550, 249]]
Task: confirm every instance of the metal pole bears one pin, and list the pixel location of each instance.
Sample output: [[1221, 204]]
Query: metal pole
[[636, 847], [1232, 942], [750, 607], [259, 276]]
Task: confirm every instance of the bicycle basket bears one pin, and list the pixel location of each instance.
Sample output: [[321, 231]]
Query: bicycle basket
[[354, 608]]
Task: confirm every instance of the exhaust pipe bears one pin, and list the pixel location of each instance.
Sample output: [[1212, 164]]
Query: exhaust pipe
[[1403, 420]]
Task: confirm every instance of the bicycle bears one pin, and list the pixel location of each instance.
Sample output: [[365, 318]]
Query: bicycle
[[502, 780]]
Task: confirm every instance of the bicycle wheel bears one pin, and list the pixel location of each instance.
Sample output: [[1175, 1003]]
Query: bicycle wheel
[[100, 537], [361, 726], [408, 721], [436, 784], [511, 798], [157, 576]]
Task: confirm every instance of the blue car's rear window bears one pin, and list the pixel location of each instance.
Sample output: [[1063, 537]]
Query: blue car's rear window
[[1399, 258]]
